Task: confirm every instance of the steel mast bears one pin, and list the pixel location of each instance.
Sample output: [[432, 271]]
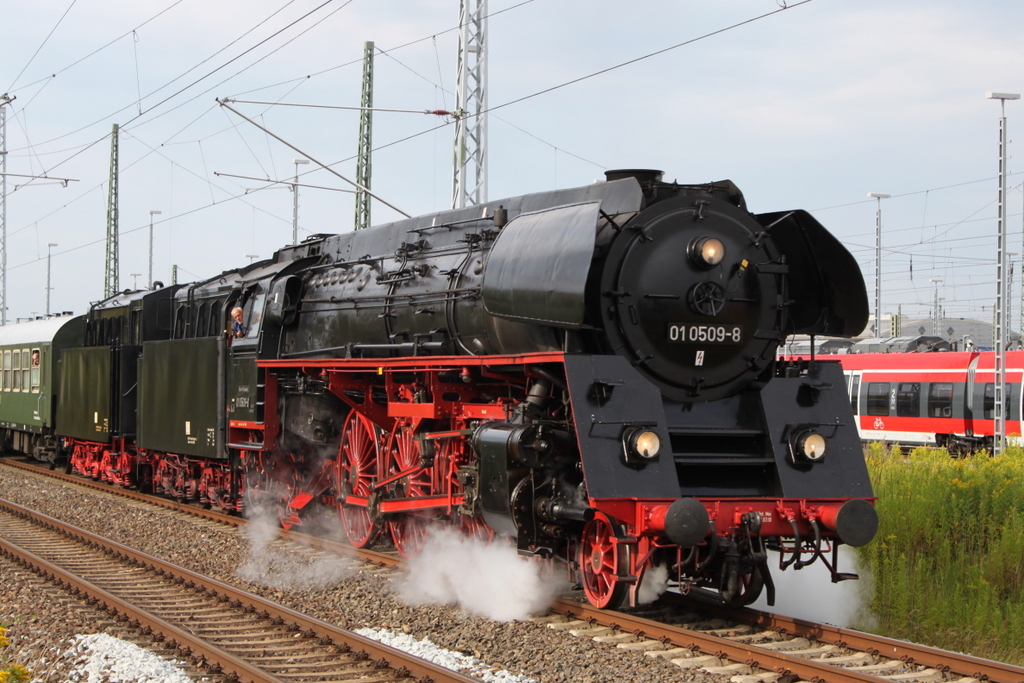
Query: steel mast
[[111, 272], [5, 99], [469, 183], [363, 169], [999, 330]]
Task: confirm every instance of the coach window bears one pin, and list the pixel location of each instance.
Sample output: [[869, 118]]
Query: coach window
[[854, 392], [26, 369], [940, 399], [878, 398], [34, 361], [7, 370], [908, 399], [16, 364], [989, 404]]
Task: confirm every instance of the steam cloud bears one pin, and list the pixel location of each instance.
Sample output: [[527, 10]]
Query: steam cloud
[[490, 580], [653, 584], [810, 594], [267, 566]]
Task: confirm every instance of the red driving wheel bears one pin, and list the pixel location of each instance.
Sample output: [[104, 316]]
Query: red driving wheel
[[408, 530], [602, 558], [356, 472]]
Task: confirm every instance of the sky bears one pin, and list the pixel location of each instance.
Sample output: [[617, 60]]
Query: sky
[[804, 105]]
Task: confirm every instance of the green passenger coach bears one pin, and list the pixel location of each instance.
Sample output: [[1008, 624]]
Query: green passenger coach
[[29, 357]]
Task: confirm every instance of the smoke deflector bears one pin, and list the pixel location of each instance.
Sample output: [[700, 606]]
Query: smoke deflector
[[538, 266]]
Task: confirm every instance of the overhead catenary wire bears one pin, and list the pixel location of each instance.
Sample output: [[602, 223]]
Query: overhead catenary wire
[[315, 161]]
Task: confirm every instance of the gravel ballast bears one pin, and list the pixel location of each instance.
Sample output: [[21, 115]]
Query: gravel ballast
[[317, 583]]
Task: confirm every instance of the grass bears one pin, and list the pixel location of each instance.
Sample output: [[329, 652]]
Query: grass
[[10, 672], [948, 561]]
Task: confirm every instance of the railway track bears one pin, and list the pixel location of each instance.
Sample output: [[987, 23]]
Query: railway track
[[745, 645], [751, 646], [234, 633]]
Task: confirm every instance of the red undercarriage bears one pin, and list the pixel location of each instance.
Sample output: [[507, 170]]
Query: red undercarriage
[[405, 462]]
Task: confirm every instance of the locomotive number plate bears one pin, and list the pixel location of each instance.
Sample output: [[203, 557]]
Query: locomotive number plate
[[714, 334]]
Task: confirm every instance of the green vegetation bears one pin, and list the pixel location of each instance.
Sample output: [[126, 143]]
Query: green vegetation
[[10, 673], [948, 560]]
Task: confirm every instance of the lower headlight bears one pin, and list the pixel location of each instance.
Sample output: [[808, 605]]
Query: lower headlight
[[642, 445], [810, 446]]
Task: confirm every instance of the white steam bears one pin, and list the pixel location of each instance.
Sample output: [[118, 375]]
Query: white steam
[[653, 584], [810, 594], [490, 580], [270, 566]]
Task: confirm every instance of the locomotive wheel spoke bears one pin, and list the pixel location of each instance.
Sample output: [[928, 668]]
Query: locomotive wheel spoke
[[408, 531], [476, 527], [600, 560], [356, 472]]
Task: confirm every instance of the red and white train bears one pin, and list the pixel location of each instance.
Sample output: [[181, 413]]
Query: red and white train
[[932, 399]]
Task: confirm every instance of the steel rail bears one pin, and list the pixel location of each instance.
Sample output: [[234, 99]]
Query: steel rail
[[309, 626], [227, 662], [209, 515], [911, 653], [751, 655]]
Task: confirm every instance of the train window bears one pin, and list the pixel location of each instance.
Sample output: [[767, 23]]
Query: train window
[[35, 370], [16, 364], [989, 404], [908, 399], [940, 399], [878, 398], [26, 370], [854, 392], [7, 370]]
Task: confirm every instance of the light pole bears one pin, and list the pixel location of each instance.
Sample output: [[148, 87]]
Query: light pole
[[135, 280], [878, 196], [48, 288], [252, 257], [295, 200], [999, 433], [151, 214], [935, 311]]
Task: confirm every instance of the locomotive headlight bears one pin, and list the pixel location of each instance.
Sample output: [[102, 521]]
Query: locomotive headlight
[[642, 445], [707, 252], [810, 446]]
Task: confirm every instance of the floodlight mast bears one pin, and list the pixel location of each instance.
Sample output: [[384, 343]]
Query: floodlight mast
[[5, 99], [879, 196], [999, 431]]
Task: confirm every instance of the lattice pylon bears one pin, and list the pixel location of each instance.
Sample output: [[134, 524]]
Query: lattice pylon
[[111, 271], [469, 182], [363, 169]]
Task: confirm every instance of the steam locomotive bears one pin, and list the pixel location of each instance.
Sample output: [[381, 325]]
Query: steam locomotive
[[589, 372]]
